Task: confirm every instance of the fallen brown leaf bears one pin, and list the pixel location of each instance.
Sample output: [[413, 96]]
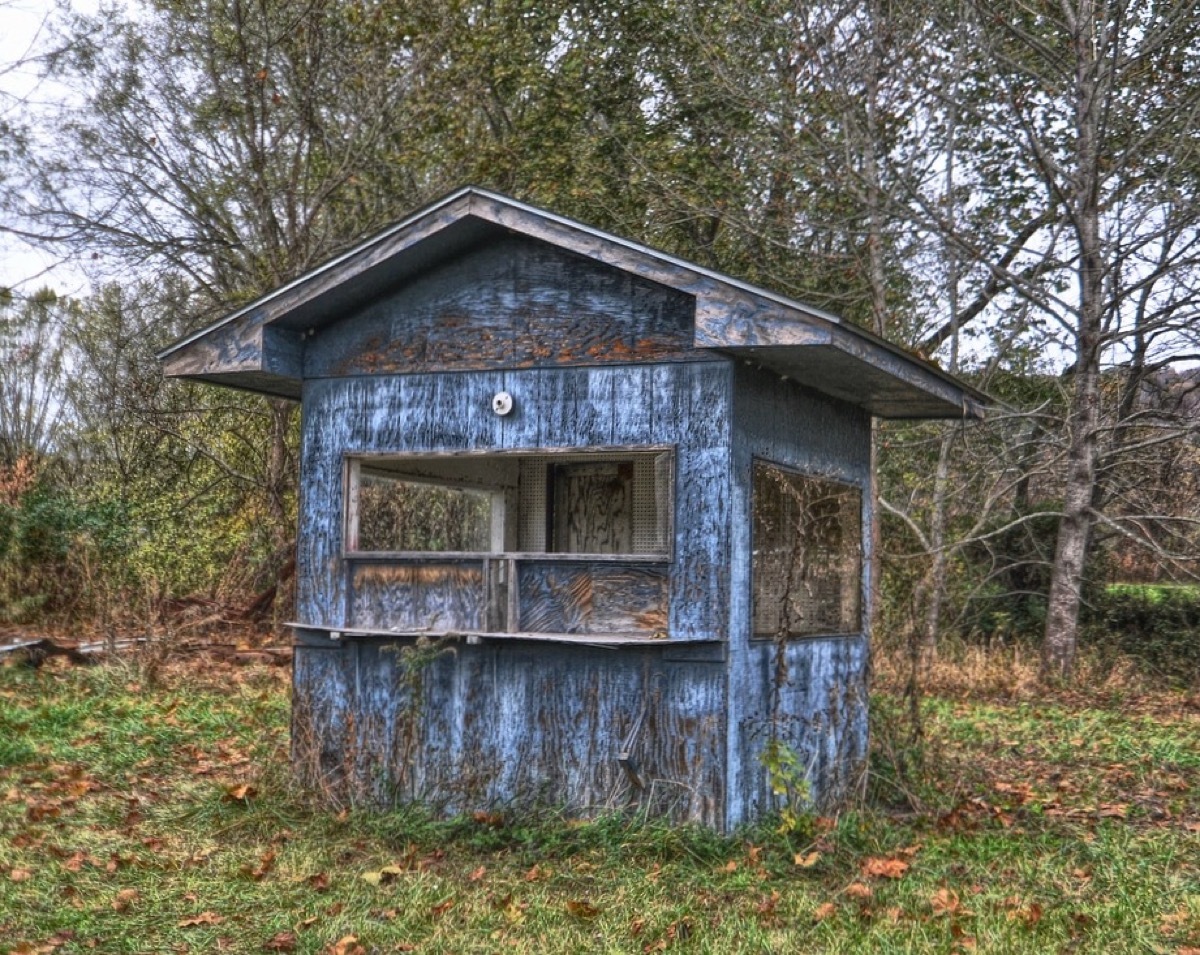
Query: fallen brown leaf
[[243, 793], [346, 945], [859, 890], [124, 899], [884, 868], [768, 903], [946, 902], [265, 864], [20, 875], [282, 942], [824, 911], [204, 918], [806, 861], [319, 882], [1030, 915], [477, 874], [582, 909]]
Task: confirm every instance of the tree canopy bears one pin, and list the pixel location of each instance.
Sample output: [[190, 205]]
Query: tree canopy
[[1011, 192]]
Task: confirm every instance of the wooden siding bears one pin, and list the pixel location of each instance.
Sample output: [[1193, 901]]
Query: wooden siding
[[513, 725], [410, 596], [592, 598], [514, 303], [819, 709], [681, 405], [820, 713], [521, 723]]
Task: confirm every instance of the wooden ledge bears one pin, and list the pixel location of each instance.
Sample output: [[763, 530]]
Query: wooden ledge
[[480, 636]]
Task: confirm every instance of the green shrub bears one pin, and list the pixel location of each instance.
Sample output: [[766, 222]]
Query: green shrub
[[1157, 626], [56, 551], [8, 528]]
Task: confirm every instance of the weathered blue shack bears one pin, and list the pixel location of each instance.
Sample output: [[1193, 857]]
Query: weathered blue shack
[[623, 497]]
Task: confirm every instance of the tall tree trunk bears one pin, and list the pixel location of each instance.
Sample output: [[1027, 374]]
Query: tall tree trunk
[[1089, 36], [941, 484], [1074, 531]]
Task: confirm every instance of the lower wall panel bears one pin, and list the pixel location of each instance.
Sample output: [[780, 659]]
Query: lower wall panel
[[417, 596], [512, 724], [592, 598], [818, 710]]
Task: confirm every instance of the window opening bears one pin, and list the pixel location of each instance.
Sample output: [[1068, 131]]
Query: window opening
[[807, 560], [398, 514], [588, 503]]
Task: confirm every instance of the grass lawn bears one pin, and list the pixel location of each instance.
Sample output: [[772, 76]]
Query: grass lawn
[[150, 811]]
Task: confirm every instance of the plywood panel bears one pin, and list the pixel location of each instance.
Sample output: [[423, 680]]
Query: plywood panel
[[512, 303], [592, 598], [418, 596], [819, 712], [525, 726]]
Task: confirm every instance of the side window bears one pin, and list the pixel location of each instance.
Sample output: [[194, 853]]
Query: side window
[[807, 554]]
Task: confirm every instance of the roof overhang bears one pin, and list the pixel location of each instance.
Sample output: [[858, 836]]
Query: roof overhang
[[260, 347]]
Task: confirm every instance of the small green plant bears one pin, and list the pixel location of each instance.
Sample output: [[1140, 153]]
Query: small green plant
[[789, 785], [414, 659]]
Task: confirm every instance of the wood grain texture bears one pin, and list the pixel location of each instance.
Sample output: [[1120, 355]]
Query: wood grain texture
[[513, 303], [593, 508], [592, 598], [245, 350], [681, 405], [408, 596], [820, 712], [522, 725], [322, 730]]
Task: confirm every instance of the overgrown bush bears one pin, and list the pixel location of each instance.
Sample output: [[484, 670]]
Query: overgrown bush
[[1157, 626], [58, 554]]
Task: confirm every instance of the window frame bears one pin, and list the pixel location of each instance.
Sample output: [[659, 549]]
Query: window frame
[[861, 571], [353, 463]]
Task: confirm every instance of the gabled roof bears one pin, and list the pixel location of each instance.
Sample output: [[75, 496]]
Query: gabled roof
[[260, 347]]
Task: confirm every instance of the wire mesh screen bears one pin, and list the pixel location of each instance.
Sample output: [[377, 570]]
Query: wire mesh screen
[[531, 533], [632, 490], [807, 562]]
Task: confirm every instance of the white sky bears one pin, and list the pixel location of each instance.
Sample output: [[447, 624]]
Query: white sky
[[22, 28]]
